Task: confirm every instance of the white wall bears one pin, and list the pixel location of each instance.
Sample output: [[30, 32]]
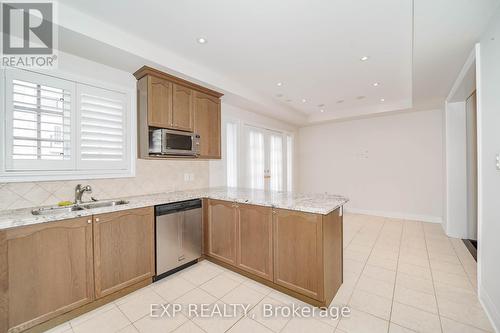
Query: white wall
[[489, 177], [455, 223], [237, 114], [388, 165]]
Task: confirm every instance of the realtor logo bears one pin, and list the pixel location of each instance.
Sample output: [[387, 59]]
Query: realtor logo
[[28, 34]]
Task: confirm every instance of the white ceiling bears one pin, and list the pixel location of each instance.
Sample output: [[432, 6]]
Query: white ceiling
[[312, 46]]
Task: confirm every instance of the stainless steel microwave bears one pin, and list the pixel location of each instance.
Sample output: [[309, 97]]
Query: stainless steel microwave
[[172, 142]]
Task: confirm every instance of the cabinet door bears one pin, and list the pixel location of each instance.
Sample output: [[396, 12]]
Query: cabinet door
[[207, 124], [222, 231], [298, 255], [46, 270], [182, 108], [159, 102], [123, 249], [255, 240]]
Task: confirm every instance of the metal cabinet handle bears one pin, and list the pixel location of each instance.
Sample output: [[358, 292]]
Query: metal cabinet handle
[[89, 221], [97, 219]]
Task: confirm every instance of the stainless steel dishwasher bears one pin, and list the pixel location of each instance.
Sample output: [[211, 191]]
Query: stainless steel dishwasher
[[177, 236]]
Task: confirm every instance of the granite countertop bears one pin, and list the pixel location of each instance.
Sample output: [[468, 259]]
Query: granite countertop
[[309, 203]]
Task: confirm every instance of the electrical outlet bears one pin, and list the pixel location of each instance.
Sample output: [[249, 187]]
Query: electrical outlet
[[498, 162], [186, 177]]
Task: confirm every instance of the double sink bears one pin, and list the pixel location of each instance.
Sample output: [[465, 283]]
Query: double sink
[[77, 207]]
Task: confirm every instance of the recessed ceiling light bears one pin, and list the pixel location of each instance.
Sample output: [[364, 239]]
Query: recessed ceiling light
[[376, 84], [340, 101], [382, 99], [304, 100], [361, 97], [365, 58], [322, 110], [202, 40], [279, 84]]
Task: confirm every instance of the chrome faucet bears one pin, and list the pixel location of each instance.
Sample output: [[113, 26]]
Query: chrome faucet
[[79, 190]]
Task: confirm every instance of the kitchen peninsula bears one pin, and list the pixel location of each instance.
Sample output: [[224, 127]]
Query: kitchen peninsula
[[289, 241]]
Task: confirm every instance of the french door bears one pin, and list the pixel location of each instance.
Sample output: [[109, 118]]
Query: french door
[[264, 160]]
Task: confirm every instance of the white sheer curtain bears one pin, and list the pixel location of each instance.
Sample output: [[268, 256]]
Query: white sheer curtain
[[276, 162], [232, 154], [289, 163], [255, 160]]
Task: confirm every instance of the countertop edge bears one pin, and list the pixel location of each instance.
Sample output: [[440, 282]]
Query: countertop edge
[[147, 201]]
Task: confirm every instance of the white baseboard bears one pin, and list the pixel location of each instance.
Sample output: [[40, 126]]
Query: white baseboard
[[395, 215], [490, 309]]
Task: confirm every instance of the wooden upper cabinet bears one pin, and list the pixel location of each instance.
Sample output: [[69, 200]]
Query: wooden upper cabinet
[[298, 252], [166, 101], [159, 102], [182, 108], [123, 249], [221, 228], [255, 240], [46, 270], [207, 124]]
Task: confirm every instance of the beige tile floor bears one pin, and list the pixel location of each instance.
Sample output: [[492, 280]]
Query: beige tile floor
[[399, 276]]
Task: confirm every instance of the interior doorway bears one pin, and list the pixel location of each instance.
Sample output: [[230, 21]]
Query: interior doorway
[[471, 167], [461, 150]]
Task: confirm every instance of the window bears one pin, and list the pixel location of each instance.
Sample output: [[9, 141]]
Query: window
[[267, 161], [60, 127], [232, 154], [102, 128], [39, 116]]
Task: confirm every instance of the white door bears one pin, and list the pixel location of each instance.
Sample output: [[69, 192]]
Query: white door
[[264, 161]]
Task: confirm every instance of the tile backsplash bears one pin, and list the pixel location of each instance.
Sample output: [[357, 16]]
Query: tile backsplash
[[152, 176]]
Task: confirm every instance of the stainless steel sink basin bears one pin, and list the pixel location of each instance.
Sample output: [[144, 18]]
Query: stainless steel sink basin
[[75, 208], [55, 210], [100, 204]]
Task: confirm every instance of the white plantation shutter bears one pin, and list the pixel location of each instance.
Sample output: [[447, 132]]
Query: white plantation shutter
[[103, 123], [40, 122], [62, 129]]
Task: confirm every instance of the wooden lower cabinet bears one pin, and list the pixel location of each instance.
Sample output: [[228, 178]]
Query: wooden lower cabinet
[[45, 270], [221, 229], [295, 252], [123, 249], [240, 235], [255, 240], [298, 252]]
